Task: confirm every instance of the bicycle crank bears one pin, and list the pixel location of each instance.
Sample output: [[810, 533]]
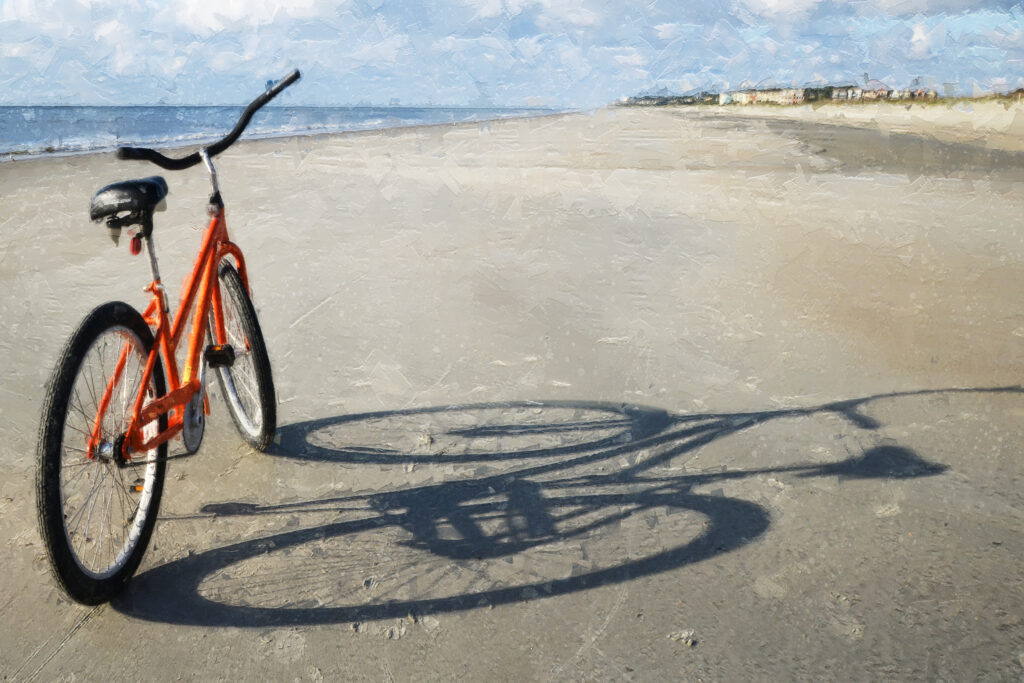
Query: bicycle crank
[[194, 424]]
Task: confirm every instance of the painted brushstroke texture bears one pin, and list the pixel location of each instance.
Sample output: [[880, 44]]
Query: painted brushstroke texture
[[492, 52]]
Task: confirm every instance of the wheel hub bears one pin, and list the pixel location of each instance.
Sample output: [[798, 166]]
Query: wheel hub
[[113, 451]]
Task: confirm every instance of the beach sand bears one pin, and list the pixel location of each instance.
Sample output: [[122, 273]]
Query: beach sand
[[648, 392], [994, 122]]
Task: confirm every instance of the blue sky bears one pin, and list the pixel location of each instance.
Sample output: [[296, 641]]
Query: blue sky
[[567, 53]]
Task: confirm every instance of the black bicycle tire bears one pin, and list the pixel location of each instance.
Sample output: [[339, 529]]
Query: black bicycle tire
[[260, 439], [70, 576]]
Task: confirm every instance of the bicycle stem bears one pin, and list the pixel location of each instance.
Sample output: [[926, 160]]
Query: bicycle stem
[[209, 166]]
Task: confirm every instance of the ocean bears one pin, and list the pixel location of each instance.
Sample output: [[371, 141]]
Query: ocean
[[77, 129]]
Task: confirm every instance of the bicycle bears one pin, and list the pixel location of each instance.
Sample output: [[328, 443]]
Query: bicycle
[[116, 397]]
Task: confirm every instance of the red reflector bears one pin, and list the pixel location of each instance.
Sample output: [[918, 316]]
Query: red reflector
[[136, 245]]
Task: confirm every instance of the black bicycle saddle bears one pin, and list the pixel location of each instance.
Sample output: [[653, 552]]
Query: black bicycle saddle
[[137, 197]]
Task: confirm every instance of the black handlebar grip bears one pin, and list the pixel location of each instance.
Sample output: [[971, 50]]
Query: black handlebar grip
[[283, 83]]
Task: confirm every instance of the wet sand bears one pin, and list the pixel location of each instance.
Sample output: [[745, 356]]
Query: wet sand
[[612, 396]]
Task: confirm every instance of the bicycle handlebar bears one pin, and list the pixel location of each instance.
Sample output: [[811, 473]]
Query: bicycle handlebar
[[146, 154]]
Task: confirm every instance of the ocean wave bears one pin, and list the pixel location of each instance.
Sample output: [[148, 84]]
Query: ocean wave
[[61, 131]]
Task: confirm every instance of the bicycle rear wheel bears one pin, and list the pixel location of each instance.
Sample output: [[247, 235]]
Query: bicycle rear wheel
[[247, 385], [96, 514]]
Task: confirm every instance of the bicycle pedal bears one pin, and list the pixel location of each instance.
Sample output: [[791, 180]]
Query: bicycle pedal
[[220, 355]]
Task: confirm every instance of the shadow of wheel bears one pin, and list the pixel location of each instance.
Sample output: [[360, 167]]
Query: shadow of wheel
[[374, 568], [536, 501]]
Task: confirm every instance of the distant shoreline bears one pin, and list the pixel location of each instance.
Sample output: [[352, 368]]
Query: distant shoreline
[[992, 123], [995, 123], [86, 130]]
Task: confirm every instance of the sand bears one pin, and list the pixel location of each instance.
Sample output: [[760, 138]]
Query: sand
[[994, 123], [637, 394]]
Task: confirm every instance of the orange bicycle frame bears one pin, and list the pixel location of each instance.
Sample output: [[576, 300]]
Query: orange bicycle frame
[[201, 288]]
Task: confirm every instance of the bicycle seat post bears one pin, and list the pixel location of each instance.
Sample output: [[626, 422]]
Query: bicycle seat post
[[151, 252]]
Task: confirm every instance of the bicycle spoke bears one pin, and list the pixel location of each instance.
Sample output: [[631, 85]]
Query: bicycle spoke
[[127, 503], [87, 380], [81, 431], [84, 461], [84, 470], [100, 508], [248, 387], [247, 384], [132, 388], [87, 508], [76, 402], [120, 497], [98, 541]]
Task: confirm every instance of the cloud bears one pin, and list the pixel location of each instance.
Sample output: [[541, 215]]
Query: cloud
[[571, 52], [798, 10], [667, 31], [560, 13], [921, 42], [528, 49], [631, 58], [778, 8], [206, 17]]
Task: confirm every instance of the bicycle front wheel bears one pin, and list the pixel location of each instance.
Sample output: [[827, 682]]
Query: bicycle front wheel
[[247, 384], [97, 510]]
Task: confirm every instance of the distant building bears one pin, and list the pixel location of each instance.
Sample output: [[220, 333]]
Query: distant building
[[875, 90], [872, 90], [770, 96], [662, 100], [913, 94], [781, 96], [821, 94], [846, 92]]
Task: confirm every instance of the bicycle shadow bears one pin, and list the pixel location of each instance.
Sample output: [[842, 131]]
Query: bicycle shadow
[[559, 518]]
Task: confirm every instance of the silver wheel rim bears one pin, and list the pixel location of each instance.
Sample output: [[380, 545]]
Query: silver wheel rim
[[240, 381], [102, 512]]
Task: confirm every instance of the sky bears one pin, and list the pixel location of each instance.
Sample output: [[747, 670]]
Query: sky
[[555, 53]]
